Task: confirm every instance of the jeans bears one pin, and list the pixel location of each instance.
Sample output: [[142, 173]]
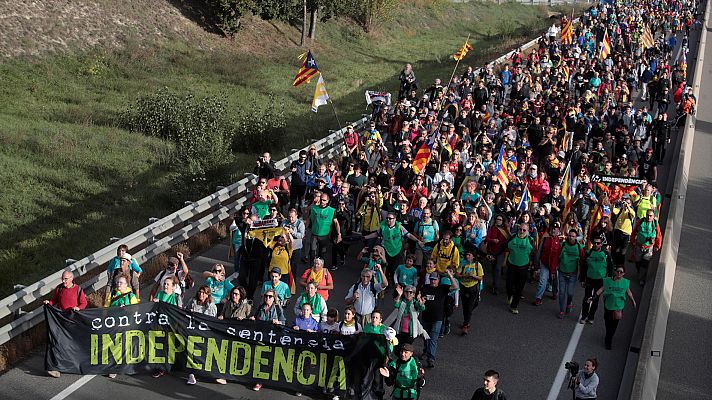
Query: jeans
[[516, 279], [431, 345], [236, 259], [567, 284], [588, 310], [544, 280]]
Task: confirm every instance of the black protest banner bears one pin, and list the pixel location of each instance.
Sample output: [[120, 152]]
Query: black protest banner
[[618, 180], [149, 336]]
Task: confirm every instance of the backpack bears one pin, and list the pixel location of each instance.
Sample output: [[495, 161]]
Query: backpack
[[186, 284], [371, 286]]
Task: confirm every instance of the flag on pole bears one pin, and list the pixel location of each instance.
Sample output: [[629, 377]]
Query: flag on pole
[[646, 40], [567, 72], [422, 157], [320, 95], [682, 61], [463, 51], [501, 169], [306, 71], [566, 188], [525, 200], [567, 31], [605, 46]]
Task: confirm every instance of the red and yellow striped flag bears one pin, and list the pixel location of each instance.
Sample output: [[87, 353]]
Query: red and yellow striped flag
[[646, 40], [567, 31], [463, 51], [605, 46]]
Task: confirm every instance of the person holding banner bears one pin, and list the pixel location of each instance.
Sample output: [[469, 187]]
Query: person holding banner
[[238, 306], [202, 303], [318, 307], [268, 311]]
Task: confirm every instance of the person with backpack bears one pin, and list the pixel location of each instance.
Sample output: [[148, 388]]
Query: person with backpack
[[597, 265], [67, 296], [403, 374], [570, 257], [363, 295], [428, 231], [522, 255], [647, 239], [180, 275]]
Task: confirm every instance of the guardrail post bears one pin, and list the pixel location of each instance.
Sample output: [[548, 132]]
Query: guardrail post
[[114, 239], [219, 188]]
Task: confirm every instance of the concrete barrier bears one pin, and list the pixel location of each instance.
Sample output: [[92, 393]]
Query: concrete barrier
[[653, 327]]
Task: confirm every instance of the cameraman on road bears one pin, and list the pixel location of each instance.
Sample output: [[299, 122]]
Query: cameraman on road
[[586, 381]]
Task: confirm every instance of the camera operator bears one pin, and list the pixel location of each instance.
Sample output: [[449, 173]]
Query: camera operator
[[584, 382]]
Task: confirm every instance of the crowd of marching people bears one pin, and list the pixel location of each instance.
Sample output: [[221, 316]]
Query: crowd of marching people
[[465, 189]]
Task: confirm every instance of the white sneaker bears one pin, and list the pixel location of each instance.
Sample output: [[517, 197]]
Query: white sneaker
[[54, 374], [221, 381], [298, 394], [191, 379], [112, 376], [335, 398]]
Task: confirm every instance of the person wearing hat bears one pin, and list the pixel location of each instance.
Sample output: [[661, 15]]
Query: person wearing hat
[[280, 288], [436, 298], [124, 270], [405, 315], [404, 374], [178, 269]]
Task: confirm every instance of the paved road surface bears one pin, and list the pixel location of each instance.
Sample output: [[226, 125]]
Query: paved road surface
[[685, 371], [527, 349]]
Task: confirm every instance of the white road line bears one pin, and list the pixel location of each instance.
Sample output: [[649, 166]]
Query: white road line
[[73, 387], [568, 356]]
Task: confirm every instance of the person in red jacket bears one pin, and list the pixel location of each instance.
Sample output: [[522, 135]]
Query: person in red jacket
[[67, 296], [497, 236], [537, 183], [549, 249]]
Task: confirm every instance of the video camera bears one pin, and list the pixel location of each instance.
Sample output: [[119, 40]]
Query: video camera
[[572, 367]]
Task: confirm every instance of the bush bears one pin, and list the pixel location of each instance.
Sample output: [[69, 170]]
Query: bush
[[261, 128], [202, 135]]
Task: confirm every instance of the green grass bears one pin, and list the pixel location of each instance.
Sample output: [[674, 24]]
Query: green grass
[[72, 178]]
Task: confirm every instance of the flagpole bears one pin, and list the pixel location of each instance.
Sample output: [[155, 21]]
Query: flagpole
[[338, 122], [452, 76]]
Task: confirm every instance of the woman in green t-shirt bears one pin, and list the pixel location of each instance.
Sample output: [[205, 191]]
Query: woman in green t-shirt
[[615, 290]]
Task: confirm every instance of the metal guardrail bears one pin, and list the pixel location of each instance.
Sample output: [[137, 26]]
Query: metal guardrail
[[150, 241], [160, 235]]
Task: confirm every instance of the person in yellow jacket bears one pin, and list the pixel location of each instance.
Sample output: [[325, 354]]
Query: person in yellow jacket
[[646, 201], [445, 254], [369, 214], [123, 295], [624, 215]]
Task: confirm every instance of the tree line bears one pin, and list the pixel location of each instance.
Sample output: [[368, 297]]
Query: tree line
[[307, 13]]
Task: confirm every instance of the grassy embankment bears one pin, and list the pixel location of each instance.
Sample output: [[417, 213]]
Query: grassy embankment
[[71, 178]]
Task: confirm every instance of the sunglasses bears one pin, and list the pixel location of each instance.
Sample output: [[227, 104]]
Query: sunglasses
[[597, 243], [620, 271], [217, 270], [268, 296]]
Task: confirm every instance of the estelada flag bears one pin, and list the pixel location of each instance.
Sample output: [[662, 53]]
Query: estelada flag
[[306, 71], [463, 51], [501, 169], [646, 40], [605, 46], [567, 32], [422, 157]]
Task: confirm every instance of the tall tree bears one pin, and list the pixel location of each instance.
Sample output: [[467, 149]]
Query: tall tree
[[304, 23]]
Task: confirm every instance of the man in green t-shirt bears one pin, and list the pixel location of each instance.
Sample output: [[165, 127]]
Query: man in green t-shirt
[[522, 255], [321, 218], [570, 256], [392, 234]]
